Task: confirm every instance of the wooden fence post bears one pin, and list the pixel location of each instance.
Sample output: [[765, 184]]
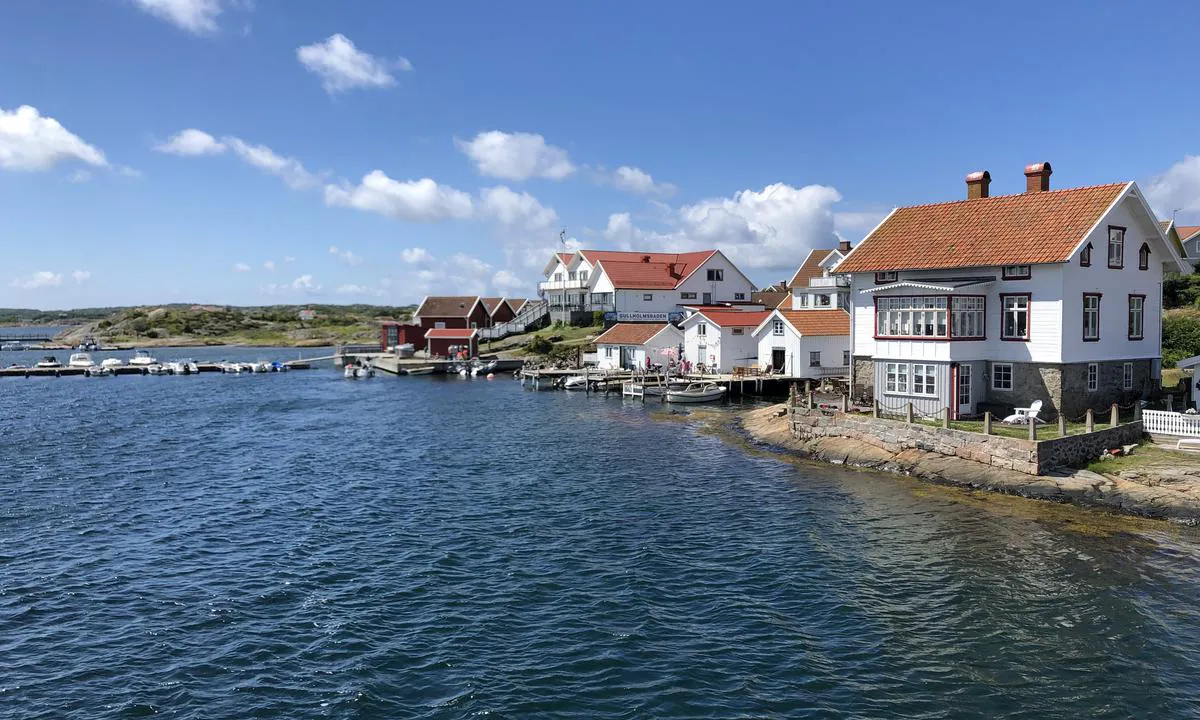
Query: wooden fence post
[[987, 422], [1090, 421], [908, 413], [1114, 416]]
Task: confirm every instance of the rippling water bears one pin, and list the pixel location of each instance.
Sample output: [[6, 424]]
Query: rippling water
[[300, 546]]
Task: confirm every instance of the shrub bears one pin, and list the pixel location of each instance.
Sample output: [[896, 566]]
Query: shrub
[[539, 346], [1181, 336], [597, 318]]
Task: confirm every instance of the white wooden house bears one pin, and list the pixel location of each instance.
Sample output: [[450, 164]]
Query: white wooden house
[[1000, 301], [722, 339], [631, 345], [639, 286]]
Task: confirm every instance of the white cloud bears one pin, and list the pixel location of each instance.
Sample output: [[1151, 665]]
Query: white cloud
[[351, 289], [40, 279], [81, 276], [345, 255], [289, 259], [191, 142], [127, 171], [241, 267], [1176, 189], [269, 266], [79, 176], [635, 180], [31, 141], [304, 284], [772, 228], [507, 283], [417, 200], [520, 210], [342, 66], [415, 256], [516, 156], [198, 17], [287, 169]]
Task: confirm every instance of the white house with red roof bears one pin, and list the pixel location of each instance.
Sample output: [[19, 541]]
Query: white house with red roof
[[720, 339], [639, 286], [638, 345], [997, 302]]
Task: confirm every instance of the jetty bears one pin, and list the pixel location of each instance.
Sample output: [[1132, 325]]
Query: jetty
[[633, 383]]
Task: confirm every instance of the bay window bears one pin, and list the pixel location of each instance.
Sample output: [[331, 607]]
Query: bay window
[[1014, 324], [1137, 317], [967, 317], [911, 316]]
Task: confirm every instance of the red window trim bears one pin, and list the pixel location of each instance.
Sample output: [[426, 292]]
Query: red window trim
[[949, 336], [1083, 316], [1144, 253], [1124, 232], [1085, 256], [1026, 276], [1127, 304], [1028, 316]]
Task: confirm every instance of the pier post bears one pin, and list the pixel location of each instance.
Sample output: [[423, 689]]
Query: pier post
[[1032, 428], [1062, 425], [875, 409], [1137, 410], [812, 400], [845, 402], [1114, 416], [1090, 421], [908, 413], [987, 422], [946, 417]]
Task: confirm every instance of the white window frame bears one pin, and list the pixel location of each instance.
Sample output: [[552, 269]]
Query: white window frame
[[439, 325], [902, 316], [1137, 317], [888, 276], [608, 351], [996, 385], [1127, 376], [895, 378], [777, 327], [1095, 312], [1093, 377], [968, 312], [803, 299], [557, 277], [572, 275], [1019, 306], [923, 377], [739, 296], [701, 329], [1116, 242], [583, 275]]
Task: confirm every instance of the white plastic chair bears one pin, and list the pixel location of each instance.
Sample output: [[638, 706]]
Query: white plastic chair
[[1021, 416]]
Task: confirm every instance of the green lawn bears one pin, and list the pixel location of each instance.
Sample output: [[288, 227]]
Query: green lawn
[[1047, 431]]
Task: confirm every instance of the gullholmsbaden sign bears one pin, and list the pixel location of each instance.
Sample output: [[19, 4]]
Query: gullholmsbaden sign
[[642, 317]]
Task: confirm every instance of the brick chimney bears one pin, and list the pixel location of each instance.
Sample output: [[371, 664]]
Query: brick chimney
[[673, 271], [1037, 177], [977, 184], [645, 258], [843, 246]]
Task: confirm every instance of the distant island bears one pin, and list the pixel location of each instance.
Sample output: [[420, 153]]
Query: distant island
[[192, 325]]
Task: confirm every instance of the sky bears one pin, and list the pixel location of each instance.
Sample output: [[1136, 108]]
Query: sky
[[286, 151]]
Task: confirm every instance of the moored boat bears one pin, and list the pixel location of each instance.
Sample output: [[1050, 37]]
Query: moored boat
[[421, 371], [157, 369], [98, 371], [575, 382], [80, 360], [141, 358], [111, 363], [696, 393], [48, 361], [354, 371]]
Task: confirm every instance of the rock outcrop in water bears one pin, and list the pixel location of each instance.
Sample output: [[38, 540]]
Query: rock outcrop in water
[[1166, 493]]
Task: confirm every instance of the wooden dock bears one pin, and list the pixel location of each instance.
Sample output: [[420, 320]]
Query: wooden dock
[[627, 382], [121, 370]]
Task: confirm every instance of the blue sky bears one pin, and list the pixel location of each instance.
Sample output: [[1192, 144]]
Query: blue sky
[[379, 151]]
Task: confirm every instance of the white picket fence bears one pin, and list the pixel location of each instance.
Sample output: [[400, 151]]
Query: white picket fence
[[1158, 422]]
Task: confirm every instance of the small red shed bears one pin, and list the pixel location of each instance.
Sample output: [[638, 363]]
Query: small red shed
[[446, 342], [392, 333]]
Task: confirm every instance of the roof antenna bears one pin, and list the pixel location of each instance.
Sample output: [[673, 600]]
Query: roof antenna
[[562, 237], [1173, 213]]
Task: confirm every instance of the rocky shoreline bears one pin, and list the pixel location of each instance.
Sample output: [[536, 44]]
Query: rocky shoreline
[[1167, 493]]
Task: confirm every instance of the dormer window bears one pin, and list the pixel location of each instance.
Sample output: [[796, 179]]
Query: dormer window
[[1085, 256], [583, 275], [1016, 272], [557, 277], [1144, 257], [1116, 247], [885, 277]]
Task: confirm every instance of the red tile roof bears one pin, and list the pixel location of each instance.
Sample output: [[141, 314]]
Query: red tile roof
[[455, 306], [451, 333], [491, 304], [810, 268], [818, 322], [630, 333], [1187, 231], [1025, 229], [735, 318], [566, 258], [516, 304], [649, 271]]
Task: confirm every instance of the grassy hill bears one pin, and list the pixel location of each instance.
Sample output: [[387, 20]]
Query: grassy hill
[[274, 325]]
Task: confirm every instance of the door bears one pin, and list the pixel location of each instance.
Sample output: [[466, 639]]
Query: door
[[707, 298], [702, 355], [778, 358], [964, 391]]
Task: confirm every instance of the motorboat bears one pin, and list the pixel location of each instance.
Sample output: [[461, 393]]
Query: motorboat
[[421, 371], [157, 369], [185, 366], [98, 371], [141, 358], [80, 360], [17, 366], [231, 367], [696, 393], [660, 390], [575, 382], [111, 362], [277, 366], [14, 346], [89, 344], [48, 361], [487, 367], [262, 366], [191, 366], [358, 371]]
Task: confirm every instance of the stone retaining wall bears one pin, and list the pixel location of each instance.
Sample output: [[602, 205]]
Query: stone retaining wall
[[1024, 456]]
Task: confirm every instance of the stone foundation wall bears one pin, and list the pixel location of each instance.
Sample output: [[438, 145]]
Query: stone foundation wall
[[1024, 456], [1109, 390], [862, 377]]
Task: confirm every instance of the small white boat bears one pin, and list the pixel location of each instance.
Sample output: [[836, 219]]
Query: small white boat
[[262, 366], [421, 371], [191, 366], [185, 366], [696, 393], [157, 369], [80, 360], [111, 362], [487, 367], [48, 361], [143, 359], [358, 371], [98, 371], [575, 382], [231, 367]]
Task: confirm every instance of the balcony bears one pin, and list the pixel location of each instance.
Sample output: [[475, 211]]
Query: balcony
[[549, 285], [830, 281]]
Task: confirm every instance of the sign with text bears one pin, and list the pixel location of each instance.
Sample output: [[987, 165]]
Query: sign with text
[[641, 317]]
